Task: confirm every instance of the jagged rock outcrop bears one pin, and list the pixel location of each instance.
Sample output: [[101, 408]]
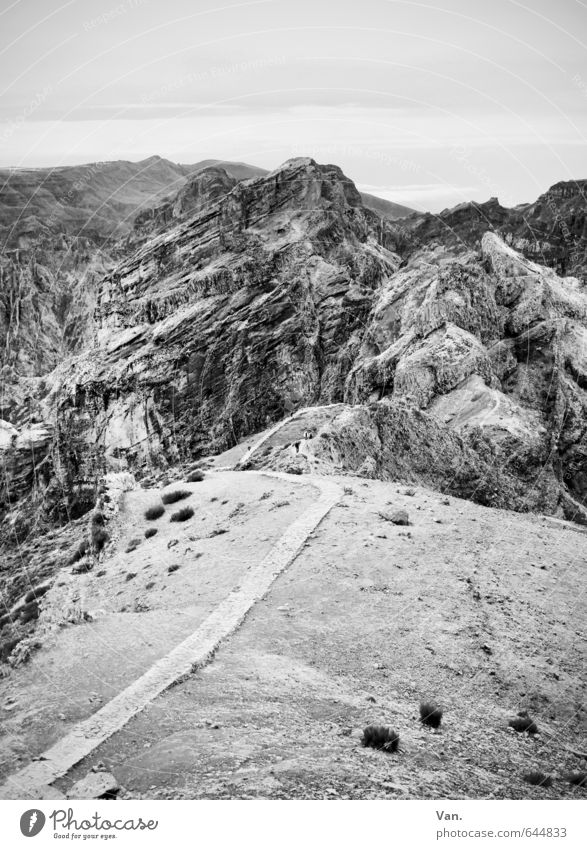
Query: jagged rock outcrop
[[233, 317], [204, 188], [47, 297], [60, 230], [282, 292], [237, 302], [551, 231], [490, 346]]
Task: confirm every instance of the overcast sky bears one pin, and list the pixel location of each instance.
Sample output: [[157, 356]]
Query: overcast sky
[[428, 104]]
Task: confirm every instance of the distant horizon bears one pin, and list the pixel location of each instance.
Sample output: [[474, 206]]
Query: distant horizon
[[425, 104], [377, 191]]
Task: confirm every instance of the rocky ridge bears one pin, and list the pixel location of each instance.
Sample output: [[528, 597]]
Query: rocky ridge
[[283, 292], [458, 364]]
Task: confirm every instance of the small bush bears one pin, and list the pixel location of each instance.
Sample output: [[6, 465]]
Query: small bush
[[173, 568], [579, 779], [523, 723], [79, 552], [430, 715], [182, 515], [174, 495], [195, 476], [155, 512], [380, 737], [538, 779], [150, 532], [98, 518], [99, 537]]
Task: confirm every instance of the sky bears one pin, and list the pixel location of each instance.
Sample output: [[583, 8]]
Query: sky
[[428, 104]]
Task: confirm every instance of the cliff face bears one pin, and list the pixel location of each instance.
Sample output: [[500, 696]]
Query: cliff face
[[473, 373], [234, 303], [551, 231], [243, 302], [235, 316], [60, 230], [47, 296]]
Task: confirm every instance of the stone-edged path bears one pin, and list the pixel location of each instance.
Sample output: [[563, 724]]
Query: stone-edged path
[[34, 780]]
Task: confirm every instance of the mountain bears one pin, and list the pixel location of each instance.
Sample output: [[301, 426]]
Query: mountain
[[284, 291], [58, 231], [429, 351], [386, 208], [238, 170], [97, 201], [551, 231], [62, 228]]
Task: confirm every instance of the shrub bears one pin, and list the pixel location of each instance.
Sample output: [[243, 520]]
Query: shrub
[[97, 518], [155, 512], [430, 715], [79, 552], [195, 476], [538, 779], [173, 568], [380, 737], [174, 495], [150, 532], [99, 537], [579, 779], [133, 544], [523, 723], [182, 515]]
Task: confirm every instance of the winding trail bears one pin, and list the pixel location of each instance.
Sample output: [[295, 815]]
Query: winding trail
[[34, 780], [316, 415]]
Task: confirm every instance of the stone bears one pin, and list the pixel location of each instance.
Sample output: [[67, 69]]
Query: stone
[[96, 785], [398, 517]]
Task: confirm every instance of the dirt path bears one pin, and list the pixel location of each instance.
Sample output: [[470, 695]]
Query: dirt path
[[194, 652], [370, 619]]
